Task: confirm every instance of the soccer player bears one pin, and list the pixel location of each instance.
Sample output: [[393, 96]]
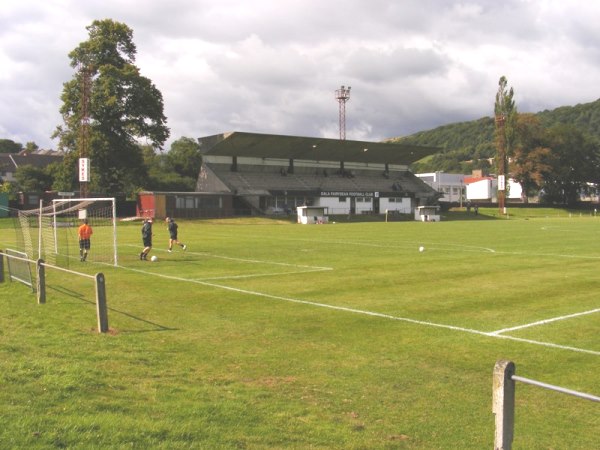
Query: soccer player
[[146, 238], [172, 227], [85, 232]]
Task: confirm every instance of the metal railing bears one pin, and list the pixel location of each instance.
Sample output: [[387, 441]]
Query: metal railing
[[99, 281], [503, 401]]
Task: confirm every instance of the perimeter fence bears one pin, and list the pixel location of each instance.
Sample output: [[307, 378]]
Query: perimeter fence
[[503, 401], [41, 266]]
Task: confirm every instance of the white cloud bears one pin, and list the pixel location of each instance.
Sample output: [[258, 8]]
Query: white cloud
[[273, 67]]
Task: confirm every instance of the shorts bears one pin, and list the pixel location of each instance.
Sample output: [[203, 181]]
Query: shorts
[[147, 242], [84, 244]]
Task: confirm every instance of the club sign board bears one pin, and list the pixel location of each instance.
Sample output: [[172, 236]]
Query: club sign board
[[84, 169]]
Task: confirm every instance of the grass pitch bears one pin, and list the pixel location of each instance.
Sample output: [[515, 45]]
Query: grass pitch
[[269, 334]]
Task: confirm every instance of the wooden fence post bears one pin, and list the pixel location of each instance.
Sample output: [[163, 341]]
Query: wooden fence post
[[41, 282], [503, 405], [101, 303]]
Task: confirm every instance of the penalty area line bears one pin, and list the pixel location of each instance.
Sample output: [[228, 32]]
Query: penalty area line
[[253, 261], [367, 313], [543, 322]]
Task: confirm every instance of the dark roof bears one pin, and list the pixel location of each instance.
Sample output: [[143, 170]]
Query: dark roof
[[311, 149], [12, 161]]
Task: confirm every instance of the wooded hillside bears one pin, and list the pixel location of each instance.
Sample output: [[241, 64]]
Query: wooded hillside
[[470, 145]]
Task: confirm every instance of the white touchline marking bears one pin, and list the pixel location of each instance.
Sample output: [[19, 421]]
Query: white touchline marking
[[545, 321], [367, 313]]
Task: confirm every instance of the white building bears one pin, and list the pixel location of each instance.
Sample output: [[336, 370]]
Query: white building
[[458, 188], [486, 189], [450, 185]]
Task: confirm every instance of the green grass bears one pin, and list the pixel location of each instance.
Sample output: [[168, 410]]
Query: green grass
[[262, 335]]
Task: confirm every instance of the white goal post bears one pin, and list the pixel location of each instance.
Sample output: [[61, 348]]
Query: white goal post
[[51, 232]]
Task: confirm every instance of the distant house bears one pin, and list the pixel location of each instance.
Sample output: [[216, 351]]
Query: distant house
[[455, 188], [10, 162], [485, 188]]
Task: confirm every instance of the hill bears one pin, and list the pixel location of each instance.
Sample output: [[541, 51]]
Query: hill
[[469, 145]]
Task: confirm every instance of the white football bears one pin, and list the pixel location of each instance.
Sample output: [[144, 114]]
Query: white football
[[421, 249], [154, 258]]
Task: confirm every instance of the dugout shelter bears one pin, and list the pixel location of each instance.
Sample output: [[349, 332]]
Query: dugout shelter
[[271, 174]]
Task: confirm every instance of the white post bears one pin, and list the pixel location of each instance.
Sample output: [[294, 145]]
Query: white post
[[503, 405], [39, 255], [114, 217]]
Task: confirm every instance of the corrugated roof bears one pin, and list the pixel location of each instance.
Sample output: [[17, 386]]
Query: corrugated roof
[[312, 149]]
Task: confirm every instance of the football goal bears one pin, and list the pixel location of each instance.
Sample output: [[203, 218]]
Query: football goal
[[51, 232]]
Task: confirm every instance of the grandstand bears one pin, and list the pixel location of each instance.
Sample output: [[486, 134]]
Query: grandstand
[[274, 173]]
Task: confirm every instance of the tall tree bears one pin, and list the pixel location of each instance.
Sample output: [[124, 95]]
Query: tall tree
[[505, 113], [533, 159], [577, 163], [33, 179], [8, 146], [108, 107], [185, 157]]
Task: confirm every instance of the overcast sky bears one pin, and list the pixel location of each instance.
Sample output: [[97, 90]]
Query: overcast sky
[[272, 66]]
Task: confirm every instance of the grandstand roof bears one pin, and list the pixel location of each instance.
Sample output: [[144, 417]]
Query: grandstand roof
[[312, 149]]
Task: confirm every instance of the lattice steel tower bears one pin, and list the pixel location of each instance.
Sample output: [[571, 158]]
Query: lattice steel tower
[[342, 95], [84, 127]]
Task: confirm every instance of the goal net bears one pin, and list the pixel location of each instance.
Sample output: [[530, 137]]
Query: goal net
[[51, 232]]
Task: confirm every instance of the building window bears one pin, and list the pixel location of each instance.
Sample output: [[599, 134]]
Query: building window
[[342, 199]]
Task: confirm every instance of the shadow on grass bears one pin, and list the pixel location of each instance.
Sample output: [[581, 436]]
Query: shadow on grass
[[79, 296]]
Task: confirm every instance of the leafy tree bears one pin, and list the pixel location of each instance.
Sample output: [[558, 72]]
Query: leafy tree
[[533, 159], [33, 179], [31, 147], [185, 157], [576, 163], [8, 146], [161, 173], [122, 108]]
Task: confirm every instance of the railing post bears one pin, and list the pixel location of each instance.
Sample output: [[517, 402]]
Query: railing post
[[1, 267], [41, 282], [101, 303], [503, 405]]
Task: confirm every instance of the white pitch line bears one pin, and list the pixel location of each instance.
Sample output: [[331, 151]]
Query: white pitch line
[[273, 263], [543, 322], [547, 344], [258, 275], [368, 313], [254, 261]]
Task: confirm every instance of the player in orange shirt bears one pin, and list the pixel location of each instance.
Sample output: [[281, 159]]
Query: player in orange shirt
[[85, 232]]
